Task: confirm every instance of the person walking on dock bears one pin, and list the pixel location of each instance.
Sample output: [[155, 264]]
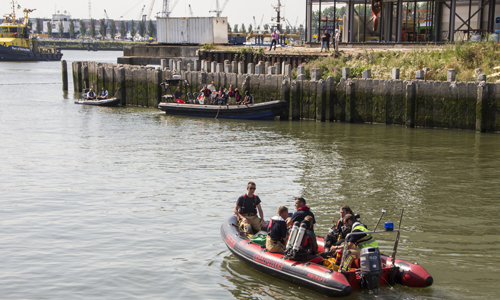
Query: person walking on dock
[[274, 37]]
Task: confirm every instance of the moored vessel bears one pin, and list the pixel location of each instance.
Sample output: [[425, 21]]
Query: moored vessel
[[16, 43], [313, 274]]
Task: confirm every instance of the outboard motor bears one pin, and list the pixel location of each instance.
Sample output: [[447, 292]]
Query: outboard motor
[[371, 269]]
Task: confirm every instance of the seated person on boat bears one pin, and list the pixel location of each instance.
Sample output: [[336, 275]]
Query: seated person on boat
[[237, 97], [246, 209], [104, 94], [356, 242], [231, 95], [301, 213], [338, 232], [91, 95], [248, 98], [221, 96], [178, 95], [206, 94], [277, 232]]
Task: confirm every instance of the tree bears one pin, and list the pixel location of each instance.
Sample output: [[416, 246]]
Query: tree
[[266, 27], [103, 28], [49, 28], [92, 28], [61, 28], [112, 29], [83, 28], [132, 29], [142, 28], [235, 28], [250, 27], [151, 29], [122, 30], [38, 27], [71, 28], [228, 27], [243, 29]]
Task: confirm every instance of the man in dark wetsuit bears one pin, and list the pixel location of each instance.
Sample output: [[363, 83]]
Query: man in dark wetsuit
[[302, 212], [277, 232], [337, 234], [246, 209]]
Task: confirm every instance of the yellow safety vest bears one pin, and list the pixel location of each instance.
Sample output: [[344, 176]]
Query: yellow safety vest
[[368, 240]]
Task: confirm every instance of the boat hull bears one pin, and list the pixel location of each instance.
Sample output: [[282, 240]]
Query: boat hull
[[317, 277], [260, 111], [310, 275], [25, 54], [106, 102]]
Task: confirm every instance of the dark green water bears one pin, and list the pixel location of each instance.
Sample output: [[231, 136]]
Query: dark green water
[[126, 203]]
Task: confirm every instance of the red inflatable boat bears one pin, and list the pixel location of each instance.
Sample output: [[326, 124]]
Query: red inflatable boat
[[316, 276]]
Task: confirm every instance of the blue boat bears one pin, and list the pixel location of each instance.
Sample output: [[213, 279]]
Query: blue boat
[[259, 111]]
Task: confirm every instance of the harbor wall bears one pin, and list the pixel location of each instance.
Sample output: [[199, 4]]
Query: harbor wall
[[412, 103]]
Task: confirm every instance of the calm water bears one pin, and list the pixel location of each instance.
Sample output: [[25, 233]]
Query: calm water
[[126, 203]]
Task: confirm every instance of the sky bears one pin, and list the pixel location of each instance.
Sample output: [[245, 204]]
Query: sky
[[237, 11]]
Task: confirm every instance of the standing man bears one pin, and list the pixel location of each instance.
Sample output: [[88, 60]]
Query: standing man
[[325, 41], [301, 213], [356, 242], [337, 39], [274, 37], [246, 209]]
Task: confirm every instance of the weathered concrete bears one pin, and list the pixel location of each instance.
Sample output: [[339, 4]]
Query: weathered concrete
[[395, 73], [315, 74], [415, 103], [420, 75], [367, 73], [451, 75], [346, 73]]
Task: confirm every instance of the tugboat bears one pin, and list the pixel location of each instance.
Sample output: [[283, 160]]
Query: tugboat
[[16, 44]]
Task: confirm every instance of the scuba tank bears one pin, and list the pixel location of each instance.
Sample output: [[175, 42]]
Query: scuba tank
[[293, 234], [300, 236]]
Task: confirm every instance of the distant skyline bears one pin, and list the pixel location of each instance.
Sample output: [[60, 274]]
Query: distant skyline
[[237, 11]]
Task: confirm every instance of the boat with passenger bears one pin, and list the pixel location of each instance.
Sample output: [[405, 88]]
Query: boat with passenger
[[16, 43], [259, 111], [368, 272]]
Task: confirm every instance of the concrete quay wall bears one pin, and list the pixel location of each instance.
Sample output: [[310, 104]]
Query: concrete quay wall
[[414, 103]]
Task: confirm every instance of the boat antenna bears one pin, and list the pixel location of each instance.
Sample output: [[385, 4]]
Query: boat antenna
[[394, 250], [383, 212]]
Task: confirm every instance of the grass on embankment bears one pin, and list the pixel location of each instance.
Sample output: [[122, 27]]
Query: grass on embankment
[[463, 57]]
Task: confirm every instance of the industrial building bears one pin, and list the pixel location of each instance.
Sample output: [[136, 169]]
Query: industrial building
[[385, 21]]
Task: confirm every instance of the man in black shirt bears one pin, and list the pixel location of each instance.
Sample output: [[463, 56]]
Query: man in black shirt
[[178, 93], [246, 209], [277, 232], [301, 213]]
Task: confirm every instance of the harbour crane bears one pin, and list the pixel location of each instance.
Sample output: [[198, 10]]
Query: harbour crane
[[151, 9], [106, 15], [218, 10], [142, 12], [166, 11], [191, 12]]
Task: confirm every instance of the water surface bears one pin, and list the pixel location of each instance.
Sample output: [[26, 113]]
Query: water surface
[[127, 203]]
